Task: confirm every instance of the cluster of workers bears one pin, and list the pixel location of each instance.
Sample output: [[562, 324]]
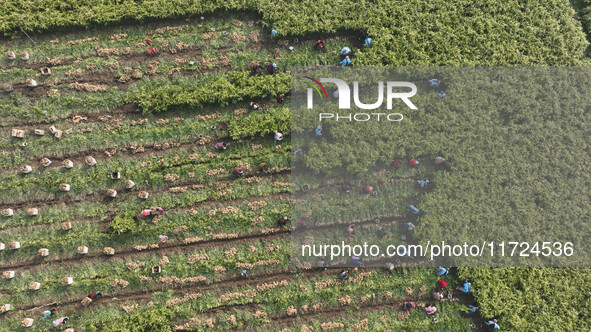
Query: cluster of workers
[[63, 320], [271, 68], [151, 50], [346, 53], [438, 295]]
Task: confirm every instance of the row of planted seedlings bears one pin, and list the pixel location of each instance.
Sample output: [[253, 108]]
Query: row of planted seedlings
[[371, 319], [149, 271], [311, 295], [285, 58], [101, 58], [62, 102], [79, 44], [161, 175], [17, 107], [335, 205], [187, 178], [31, 187], [235, 43], [134, 131], [195, 178], [188, 211], [278, 298], [54, 105]]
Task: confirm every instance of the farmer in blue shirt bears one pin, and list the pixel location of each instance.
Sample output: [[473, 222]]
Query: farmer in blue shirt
[[346, 62], [466, 287], [441, 271], [413, 209], [434, 83], [345, 51], [423, 183], [472, 309], [441, 94], [367, 42], [318, 130], [492, 325], [273, 33]]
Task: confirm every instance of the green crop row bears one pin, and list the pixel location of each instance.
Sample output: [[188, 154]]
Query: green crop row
[[101, 274], [196, 223], [215, 89], [154, 170], [74, 45], [298, 292], [539, 32]]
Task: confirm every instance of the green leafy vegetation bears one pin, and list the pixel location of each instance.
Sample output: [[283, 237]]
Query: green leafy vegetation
[[421, 33]]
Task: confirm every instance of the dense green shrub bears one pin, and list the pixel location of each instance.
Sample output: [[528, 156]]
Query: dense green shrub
[[216, 89]]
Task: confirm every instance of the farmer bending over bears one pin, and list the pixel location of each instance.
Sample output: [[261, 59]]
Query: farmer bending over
[[282, 222], [344, 275], [95, 295], [441, 271], [492, 325], [254, 106], [320, 45], [430, 310], [48, 313], [220, 146], [408, 306], [466, 287], [237, 171], [60, 321]]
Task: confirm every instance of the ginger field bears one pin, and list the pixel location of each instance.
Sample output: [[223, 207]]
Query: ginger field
[[73, 226]]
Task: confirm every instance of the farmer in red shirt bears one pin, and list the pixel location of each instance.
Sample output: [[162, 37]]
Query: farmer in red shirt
[[149, 42], [320, 45], [442, 284], [237, 171], [94, 295], [395, 164], [413, 162]]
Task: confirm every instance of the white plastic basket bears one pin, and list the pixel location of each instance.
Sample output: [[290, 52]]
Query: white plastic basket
[[68, 164], [27, 322], [26, 169]]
